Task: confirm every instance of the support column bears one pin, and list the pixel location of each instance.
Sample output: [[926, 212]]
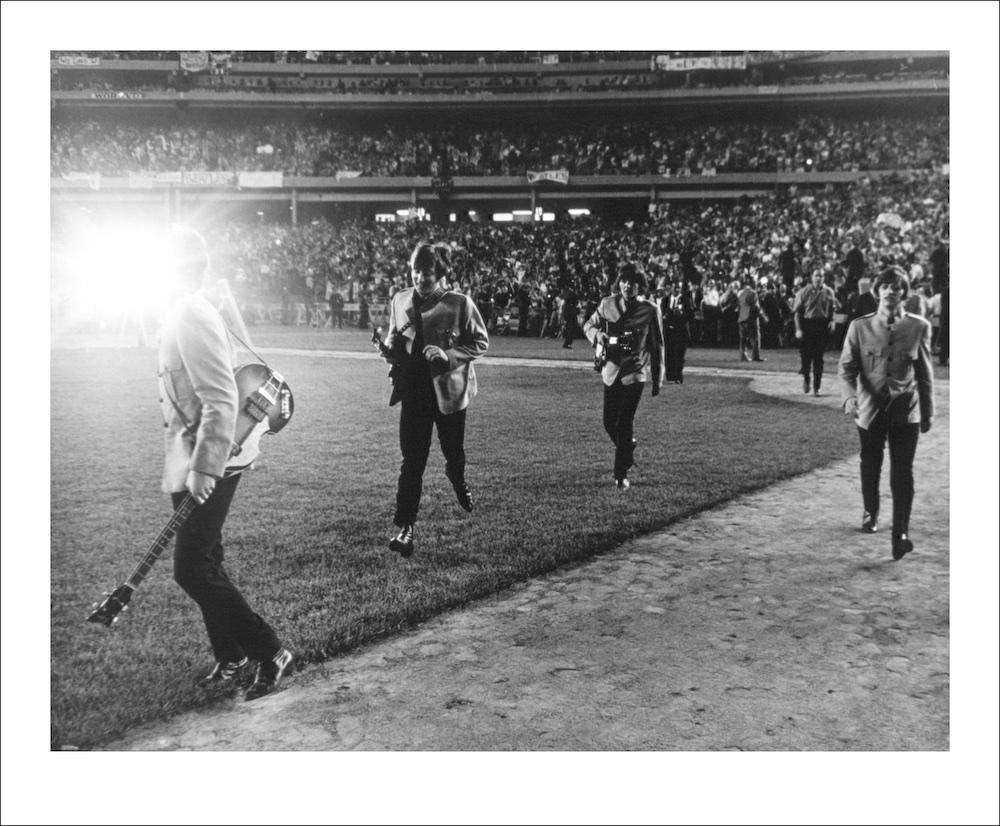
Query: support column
[[295, 207]]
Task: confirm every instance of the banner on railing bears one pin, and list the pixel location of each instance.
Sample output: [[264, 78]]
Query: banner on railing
[[207, 178], [345, 174], [687, 64], [754, 58], [147, 180], [92, 179], [560, 176], [260, 180], [78, 60], [550, 59], [194, 61]]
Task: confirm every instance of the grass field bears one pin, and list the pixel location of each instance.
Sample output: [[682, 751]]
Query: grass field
[[306, 537]]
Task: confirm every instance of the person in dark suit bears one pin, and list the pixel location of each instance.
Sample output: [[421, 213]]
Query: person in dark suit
[[887, 386], [570, 307], [434, 334], [199, 401], [676, 308], [630, 331]]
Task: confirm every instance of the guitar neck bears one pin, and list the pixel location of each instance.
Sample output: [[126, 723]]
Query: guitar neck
[[160, 543], [377, 341]]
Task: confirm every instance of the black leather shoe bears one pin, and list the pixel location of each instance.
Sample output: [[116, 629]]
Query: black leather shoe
[[901, 546], [869, 522], [271, 673], [402, 543], [225, 676], [623, 483], [464, 496]]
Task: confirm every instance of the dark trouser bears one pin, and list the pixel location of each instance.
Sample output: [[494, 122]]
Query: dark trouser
[[750, 338], [811, 348], [945, 329], [620, 403], [710, 326], [902, 448], [234, 630], [675, 346], [569, 329], [420, 413]]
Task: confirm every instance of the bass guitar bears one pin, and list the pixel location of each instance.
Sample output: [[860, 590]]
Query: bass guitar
[[265, 406]]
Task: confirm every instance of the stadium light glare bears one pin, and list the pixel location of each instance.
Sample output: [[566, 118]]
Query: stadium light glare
[[576, 212], [503, 217], [115, 271]]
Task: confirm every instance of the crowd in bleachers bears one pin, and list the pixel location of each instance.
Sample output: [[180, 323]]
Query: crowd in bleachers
[[313, 149], [387, 58], [774, 243]]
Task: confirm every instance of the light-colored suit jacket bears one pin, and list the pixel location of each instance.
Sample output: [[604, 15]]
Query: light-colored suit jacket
[[878, 363], [452, 323], [198, 393]]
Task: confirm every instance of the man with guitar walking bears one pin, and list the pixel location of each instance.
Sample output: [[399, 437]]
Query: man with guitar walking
[[434, 336], [200, 404]]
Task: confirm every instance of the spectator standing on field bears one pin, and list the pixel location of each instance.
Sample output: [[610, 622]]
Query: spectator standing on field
[[813, 314]]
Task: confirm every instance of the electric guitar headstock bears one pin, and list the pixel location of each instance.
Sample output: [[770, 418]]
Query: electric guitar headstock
[[107, 612]]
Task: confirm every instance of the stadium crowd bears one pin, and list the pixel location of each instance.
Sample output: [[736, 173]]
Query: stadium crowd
[[550, 272], [315, 149]]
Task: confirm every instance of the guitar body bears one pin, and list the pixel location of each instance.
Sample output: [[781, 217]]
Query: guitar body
[[265, 406]]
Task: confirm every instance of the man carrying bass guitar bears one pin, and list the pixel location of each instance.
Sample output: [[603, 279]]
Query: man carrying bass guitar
[[200, 401], [434, 336]]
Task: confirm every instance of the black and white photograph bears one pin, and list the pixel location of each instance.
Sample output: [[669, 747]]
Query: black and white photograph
[[511, 413]]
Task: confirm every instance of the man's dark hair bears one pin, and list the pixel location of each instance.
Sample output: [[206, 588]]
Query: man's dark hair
[[427, 255], [630, 273], [892, 275]]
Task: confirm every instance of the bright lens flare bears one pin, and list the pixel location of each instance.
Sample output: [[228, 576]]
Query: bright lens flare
[[109, 273]]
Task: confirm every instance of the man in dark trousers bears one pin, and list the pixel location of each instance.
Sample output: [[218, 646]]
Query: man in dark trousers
[[336, 309], [749, 322], [434, 335], [887, 385], [676, 308], [570, 307], [630, 330], [199, 400], [813, 314], [940, 260]]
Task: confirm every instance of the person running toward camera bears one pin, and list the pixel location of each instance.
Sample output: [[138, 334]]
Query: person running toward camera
[[434, 336], [887, 385], [629, 331], [200, 400]]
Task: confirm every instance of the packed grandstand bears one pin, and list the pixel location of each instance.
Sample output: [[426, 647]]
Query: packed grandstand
[[307, 201]]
